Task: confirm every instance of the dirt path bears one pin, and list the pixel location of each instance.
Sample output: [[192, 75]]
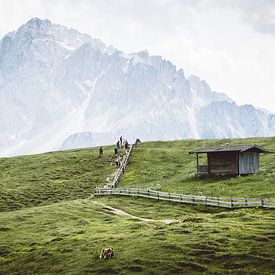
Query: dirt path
[[109, 179], [119, 212]]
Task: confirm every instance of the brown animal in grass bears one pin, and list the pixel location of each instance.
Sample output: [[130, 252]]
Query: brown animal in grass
[[107, 253]]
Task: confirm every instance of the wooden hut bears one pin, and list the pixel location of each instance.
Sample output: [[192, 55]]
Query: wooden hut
[[229, 160]]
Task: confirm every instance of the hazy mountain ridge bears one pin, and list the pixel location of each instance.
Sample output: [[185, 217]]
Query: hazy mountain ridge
[[56, 83]]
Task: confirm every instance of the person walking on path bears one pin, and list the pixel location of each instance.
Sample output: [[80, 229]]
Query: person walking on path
[[100, 151], [126, 145], [117, 161], [118, 144]]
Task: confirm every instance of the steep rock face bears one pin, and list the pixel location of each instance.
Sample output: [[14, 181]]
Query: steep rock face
[[30, 62], [228, 120], [57, 85]]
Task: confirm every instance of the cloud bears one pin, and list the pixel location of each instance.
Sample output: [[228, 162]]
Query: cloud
[[259, 13], [229, 43]]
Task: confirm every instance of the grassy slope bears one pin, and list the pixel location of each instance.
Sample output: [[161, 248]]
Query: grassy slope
[[67, 237], [167, 166], [46, 178]]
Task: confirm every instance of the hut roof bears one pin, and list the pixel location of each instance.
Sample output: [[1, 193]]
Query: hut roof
[[230, 148]]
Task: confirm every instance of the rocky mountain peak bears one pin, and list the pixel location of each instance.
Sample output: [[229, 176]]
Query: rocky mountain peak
[[60, 89]]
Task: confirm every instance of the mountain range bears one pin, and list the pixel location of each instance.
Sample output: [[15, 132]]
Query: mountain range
[[61, 89]]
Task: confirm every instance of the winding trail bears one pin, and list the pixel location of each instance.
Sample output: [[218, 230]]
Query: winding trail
[[119, 212]]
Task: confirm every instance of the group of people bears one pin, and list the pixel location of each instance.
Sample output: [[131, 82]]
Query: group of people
[[121, 144], [117, 150]]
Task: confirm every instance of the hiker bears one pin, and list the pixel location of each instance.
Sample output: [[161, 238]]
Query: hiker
[[120, 140], [126, 145], [100, 151], [117, 161], [116, 151], [122, 143], [118, 145]]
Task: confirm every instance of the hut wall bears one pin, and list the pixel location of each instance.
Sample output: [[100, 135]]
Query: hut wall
[[223, 163], [248, 162]]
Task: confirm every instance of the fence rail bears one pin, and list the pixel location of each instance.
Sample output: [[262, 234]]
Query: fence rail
[[122, 168], [189, 199]]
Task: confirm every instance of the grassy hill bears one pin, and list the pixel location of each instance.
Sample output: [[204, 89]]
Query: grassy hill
[[46, 178], [51, 224], [167, 166], [67, 237]]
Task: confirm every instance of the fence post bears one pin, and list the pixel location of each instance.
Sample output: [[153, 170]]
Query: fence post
[[193, 199], [206, 200], [148, 193], [245, 201], [158, 196], [180, 197], [169, 196], [218, 200], [231, 202], [262, 202]]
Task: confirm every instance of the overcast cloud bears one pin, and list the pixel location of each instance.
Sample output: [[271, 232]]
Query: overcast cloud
[[230, 44]]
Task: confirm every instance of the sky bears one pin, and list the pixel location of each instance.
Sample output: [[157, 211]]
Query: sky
[[228, 43]]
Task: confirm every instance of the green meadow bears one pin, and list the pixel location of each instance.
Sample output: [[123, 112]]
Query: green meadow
[[47, 178], [168, 166], [51, 223]]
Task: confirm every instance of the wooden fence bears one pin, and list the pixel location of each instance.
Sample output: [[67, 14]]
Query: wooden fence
[[180, 198], [122, 167]]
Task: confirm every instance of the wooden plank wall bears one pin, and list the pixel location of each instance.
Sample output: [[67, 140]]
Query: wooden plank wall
[[223, 163], [248, 162]]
